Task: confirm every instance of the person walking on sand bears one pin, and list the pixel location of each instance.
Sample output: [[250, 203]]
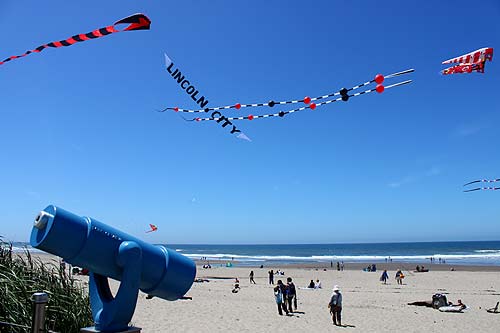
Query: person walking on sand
[[384, 276], [251, 278], [279, 292], [271, 276], [335, 306], [399, 277]]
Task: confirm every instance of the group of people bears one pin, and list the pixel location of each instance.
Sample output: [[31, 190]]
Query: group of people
[[313, 285], [370, 268], [340, 265], [285, 295], [272, 273], [399, 276], [286, 299]]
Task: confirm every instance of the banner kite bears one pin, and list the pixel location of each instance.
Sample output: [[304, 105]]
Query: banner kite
[[467, 63], [483, 188], [310, 102], [202, 101], [136, 22]]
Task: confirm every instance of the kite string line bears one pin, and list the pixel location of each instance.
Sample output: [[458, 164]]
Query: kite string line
[[483, 181], [272, 103], [282, 113], [483, 188]]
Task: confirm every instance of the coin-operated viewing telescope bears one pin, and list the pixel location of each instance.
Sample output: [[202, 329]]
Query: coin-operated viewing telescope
[[108, 252]]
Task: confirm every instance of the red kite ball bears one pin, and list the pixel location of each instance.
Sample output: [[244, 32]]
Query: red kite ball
[[312, 106], [380, 88], [198, 119], [250, 117], [237, 106], [307, 99], [176, 109], [379, 78]]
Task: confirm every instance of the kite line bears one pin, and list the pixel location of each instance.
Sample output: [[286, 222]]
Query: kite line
[[310, 102], [136, 22], [483, 188]]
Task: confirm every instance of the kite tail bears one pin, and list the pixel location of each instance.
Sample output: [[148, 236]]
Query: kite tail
[[137, 22]]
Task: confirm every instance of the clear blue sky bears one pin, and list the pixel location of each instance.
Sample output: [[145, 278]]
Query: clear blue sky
[[79, 129]]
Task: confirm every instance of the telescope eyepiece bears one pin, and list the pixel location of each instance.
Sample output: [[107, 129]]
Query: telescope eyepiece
[[41, 219]]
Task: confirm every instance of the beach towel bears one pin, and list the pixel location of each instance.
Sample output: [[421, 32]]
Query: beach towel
[[452, 308]]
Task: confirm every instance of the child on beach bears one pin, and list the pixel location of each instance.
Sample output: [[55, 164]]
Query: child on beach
[[399, 277], [384, 276], [251, 278]]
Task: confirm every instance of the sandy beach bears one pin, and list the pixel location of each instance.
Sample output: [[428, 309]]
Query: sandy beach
[[368, 305]]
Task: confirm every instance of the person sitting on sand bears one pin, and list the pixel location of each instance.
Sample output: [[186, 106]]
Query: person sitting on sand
[[384, 276], [417, 268], [236, 286], [318, 284], [459, 304], [311, 284]]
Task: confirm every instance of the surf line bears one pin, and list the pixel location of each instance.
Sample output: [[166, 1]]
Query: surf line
[[190, 89]]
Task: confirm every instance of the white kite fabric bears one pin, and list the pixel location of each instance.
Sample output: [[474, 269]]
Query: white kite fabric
[[310, 103]]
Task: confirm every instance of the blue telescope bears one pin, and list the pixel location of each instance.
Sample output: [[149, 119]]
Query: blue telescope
[[108, 252]]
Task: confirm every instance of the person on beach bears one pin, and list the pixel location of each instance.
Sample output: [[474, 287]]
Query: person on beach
[[279, 291], [236, 286], [384, 276], [271, 276], [251, 278], [318, 284], [341, 265], [338, 266], [459, 304], [335, 306], [291, 294], [399, 277], [311, 284]]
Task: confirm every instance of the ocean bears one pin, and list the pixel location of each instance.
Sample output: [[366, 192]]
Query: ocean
[[463, 253]]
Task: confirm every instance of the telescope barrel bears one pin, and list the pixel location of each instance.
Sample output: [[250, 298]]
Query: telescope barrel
[[86, 242]]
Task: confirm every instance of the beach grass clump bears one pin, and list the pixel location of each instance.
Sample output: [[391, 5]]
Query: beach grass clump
[[21, 275]]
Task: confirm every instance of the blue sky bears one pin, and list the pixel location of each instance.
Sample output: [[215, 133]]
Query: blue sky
[[79, 129]]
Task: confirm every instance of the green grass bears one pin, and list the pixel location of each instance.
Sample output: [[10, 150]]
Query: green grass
[[22, 275]]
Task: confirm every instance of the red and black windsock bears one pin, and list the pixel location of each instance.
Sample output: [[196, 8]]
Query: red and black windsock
[[136, 22]]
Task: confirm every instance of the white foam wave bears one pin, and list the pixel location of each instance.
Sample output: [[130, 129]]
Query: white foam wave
[[319, 258], [487, 251]]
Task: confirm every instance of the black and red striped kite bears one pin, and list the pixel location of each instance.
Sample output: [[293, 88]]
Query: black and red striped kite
[[136, 22]]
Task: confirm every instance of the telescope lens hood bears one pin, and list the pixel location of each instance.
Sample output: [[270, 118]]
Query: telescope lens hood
[[59, 232]]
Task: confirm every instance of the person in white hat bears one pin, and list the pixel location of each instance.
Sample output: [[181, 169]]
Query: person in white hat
[[335, 306]]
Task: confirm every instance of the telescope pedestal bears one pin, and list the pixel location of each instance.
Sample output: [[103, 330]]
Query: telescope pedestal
[[113, 314]]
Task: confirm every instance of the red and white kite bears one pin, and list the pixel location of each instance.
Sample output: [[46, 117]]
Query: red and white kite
[[153, 228], [469, 62]]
